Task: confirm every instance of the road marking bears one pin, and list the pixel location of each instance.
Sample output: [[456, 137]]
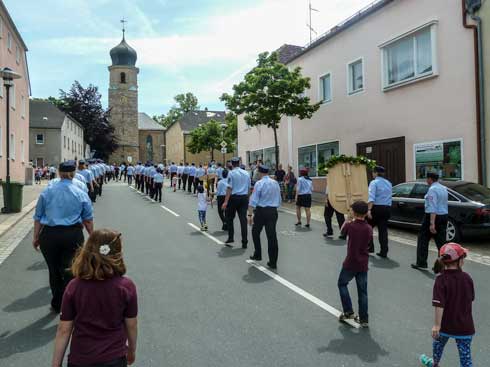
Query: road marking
[[170, 211], [323, 305], [206, 234]]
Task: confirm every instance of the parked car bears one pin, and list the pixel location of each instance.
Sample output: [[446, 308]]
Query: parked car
[[469, 208]]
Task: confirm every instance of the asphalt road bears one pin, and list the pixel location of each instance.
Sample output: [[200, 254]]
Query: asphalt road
[[202, 304]]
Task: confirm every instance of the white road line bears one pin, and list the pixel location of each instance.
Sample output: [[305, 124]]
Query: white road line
[[301, 292], [206, 234], [170, 211]]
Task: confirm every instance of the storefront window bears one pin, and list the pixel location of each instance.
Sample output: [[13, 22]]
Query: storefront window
[[256, 155], [325, 151], [307, 159], [444, 158], [270, 158]]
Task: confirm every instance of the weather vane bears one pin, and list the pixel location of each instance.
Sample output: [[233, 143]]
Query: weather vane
[[123, 21]]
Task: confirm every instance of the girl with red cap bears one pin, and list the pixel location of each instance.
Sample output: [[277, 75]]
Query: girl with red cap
[[453, 296]]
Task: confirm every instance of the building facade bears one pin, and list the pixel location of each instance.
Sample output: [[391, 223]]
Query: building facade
[[13, 55], [484, 14], [55, 137], [151, 139], [178, 136], [386, 78]]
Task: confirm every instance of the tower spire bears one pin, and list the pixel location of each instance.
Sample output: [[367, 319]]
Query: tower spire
[[123, 21]]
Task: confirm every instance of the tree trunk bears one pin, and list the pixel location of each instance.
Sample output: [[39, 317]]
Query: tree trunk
[[276, 145], [212, 154]]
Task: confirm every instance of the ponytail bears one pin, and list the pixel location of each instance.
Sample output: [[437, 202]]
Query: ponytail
[[438, 266]]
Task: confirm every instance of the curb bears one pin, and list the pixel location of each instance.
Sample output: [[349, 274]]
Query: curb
[[16, 218]]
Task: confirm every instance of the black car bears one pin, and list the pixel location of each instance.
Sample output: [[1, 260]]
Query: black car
[[469, 208]]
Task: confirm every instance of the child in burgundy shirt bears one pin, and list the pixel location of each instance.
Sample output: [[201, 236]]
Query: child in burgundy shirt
[[355, 264], [453, 296], [99, 307]]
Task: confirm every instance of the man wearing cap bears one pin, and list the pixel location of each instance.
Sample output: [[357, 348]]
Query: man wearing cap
[[435, 220], [191, 180], [62, 210], [185, 175], [379, 204], [89, 179], [236, 201], [265, 199]]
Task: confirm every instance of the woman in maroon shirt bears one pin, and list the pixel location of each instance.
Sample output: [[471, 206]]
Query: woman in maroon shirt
[[99, 307]]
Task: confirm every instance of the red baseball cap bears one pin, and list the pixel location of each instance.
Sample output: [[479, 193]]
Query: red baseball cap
[[452, 252]]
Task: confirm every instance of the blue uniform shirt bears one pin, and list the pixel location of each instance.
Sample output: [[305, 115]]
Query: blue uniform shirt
[[130, 170], [87, 174], [152, 172], [222, 186], [173, 168], [192, 171], [63, 204], [200, 172], [436, 199], [211, 170], [380, 191], [239, 181], [186, 170], [80, 177], [267, 193], [219, 172], [158, 178], [305, 186]]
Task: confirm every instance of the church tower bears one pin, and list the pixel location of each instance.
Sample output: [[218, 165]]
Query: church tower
[[123, 101]]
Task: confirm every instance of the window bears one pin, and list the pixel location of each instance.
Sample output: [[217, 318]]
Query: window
[[9, 41], [12, 146], [68, 144], [256, 155], [123, 78], [444, 158], [356, 77], [325, 152], [17, 54], [40, 139], [419, 191], [64, 141], [307, 159], [326, 88], [410, 58], [269, 158], [23, 106], [12, 97], [403, 190], [22, 153]]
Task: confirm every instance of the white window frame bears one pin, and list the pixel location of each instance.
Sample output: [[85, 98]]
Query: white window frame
[[433, 26], [23, 106], [22, 151], [350, 91], [12, 97], [320, 88], [316, 152], [37, 141], [12, 146], [460, 140], [9, 41]]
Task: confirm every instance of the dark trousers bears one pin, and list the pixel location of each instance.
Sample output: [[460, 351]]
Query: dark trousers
[[120, 362], [184, 181], [158, 192], [381, 214], [190, 183], [137, 181], [130, 179], [361, 281], [221, 212], [425, 235], [266, 217], [237, 204], [147, 185], [58, 246], [328, 214], [91, 194], [197, 182], [142, 183], [152, 189]]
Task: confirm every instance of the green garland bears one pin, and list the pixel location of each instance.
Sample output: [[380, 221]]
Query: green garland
[[336, 159]]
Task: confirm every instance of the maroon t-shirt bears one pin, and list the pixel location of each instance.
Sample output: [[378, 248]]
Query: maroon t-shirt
[[98, 309], [359, 234], [454, 291]]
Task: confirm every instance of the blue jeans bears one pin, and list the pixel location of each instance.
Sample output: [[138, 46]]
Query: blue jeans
[[361, 280], [464, 349], [202, 217]]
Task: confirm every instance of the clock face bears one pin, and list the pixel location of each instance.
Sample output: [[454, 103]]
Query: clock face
[[124, 99]]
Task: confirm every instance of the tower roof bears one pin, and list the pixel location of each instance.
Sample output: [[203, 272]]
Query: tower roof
[[123, 55]]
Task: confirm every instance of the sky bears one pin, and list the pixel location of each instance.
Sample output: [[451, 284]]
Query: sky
[[198, 46]]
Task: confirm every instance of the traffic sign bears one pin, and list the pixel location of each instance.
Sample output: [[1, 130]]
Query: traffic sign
[[223, 150], [223, 144]]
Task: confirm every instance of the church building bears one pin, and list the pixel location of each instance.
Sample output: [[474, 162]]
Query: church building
[[139, 136]]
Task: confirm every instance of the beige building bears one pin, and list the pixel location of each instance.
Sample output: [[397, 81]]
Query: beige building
[[178, 136], [13, 55], [396, 82], [151, 139], [55, 137]]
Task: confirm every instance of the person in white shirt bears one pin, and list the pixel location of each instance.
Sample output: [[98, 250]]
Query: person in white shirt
[[202, 207]]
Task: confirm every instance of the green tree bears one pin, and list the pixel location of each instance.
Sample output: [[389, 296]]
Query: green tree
[[184, 103], [208, 138], [270, 91]]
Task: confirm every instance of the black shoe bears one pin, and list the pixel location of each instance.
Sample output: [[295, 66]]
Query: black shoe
[[224, 228], [256, 258], [371, 251], [272, 266], [244, 244], [307, 226], [418, 267], [298, 224], [384, 256], [229, 242], [342, 237]]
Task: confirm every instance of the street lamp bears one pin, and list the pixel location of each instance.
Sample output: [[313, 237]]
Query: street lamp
[[8, 76], [223, 127]]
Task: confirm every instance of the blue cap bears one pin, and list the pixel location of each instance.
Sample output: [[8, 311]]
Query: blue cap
[[81, 161], [379, 169], [235, 160], [263, 168], [68, 166]]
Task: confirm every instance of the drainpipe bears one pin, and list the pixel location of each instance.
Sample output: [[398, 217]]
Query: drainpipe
[[479, 87]]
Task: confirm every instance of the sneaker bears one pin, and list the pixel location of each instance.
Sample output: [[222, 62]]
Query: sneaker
[[298, 224], [328, 235], [205, 227], [363, 323], [346, 316], [307, 226], [426, 361]]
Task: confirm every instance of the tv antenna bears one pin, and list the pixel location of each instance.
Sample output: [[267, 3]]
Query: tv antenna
[[310, 26]]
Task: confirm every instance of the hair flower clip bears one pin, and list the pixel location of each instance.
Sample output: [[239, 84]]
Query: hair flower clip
[[104, 249]]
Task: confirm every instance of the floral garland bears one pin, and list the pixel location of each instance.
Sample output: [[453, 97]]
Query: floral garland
[[336, 159]]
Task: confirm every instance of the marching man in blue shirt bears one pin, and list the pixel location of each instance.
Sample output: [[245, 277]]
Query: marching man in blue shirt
[[379, 204], [265, 199], [435, 220]]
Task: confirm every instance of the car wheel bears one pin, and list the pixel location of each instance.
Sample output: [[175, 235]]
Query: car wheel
[[453, 233]]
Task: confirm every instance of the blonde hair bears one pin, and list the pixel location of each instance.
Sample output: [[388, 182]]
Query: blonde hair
[[91, 263]]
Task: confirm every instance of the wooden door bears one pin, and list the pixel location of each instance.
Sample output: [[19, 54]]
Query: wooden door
[[389, 153]]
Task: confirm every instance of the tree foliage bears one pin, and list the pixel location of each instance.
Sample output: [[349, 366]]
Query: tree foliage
[[270, 91], [208, 137], [185, 102], [84, 105]]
